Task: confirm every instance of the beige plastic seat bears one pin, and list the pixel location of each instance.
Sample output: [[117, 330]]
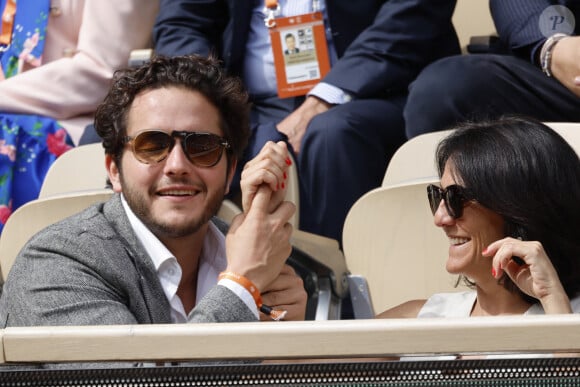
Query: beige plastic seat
[[37, 214], [389, 238], [81, 168], [570, 131], [472, 18], [414, 161]]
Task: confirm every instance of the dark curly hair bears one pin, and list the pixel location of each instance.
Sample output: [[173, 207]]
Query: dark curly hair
[[201, 74], [526, 172]]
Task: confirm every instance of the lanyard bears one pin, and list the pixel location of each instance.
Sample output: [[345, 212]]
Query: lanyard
[[7, 22], [272, 8]]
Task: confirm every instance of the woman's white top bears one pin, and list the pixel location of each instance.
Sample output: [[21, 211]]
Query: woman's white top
[[460, 304]]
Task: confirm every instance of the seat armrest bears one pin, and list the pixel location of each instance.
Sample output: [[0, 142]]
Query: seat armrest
[[360, 297], [327, 253], [489, 44]]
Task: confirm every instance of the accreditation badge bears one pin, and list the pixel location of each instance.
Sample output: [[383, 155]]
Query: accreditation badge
[[300, 53]]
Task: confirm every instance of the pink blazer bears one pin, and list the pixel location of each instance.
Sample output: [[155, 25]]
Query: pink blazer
[[86, 41]]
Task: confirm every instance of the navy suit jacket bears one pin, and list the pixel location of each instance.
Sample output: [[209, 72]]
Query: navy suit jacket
[[381, 45], [518, 23]]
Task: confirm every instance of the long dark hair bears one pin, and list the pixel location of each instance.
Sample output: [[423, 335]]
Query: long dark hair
[[527, 173]]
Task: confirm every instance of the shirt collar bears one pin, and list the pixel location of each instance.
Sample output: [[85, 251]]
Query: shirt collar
[[212, 260], [153, 246]]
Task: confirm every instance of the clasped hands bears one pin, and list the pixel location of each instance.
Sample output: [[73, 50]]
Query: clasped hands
[[258, 242]]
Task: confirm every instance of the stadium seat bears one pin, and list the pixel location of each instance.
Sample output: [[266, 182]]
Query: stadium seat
[[390, 240], [33, 216]]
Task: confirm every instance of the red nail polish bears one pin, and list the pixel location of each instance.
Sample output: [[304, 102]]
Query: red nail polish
[[285, 176], [288, 161], [493, 272], [283, 185]]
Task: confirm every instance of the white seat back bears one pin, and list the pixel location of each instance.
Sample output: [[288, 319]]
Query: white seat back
[[36, 215], [390, 239]]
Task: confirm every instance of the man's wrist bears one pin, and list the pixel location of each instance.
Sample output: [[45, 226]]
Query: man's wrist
[[229, 278], [242, 293], [330, 94], [317, 103]]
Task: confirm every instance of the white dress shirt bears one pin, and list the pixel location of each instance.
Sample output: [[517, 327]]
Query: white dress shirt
[[212, 261]]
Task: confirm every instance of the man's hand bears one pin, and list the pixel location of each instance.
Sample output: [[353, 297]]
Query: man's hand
[[286, 293], [294, 126], [258, 242], [270, 168], [565, 65]]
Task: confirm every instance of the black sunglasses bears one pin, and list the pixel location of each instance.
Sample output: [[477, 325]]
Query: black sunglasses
[[201, 149], [454, 197]]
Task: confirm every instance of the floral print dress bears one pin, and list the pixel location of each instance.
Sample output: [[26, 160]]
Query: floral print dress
[[29, 144]]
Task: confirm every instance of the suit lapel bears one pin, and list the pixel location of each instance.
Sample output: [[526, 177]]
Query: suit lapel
[[158, 307]]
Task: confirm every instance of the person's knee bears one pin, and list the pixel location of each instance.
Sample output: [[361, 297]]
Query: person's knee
[[358, 121], [444, 90]]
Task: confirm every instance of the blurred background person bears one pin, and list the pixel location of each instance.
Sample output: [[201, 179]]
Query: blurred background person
[[533, 69], [57, 59]]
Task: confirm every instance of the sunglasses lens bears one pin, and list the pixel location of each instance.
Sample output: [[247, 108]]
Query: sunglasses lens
[[152, 146], [452, 196], [204, 149], [434, 195], [454, 201]]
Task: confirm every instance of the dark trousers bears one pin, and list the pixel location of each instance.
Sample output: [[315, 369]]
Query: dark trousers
[[484, 86]]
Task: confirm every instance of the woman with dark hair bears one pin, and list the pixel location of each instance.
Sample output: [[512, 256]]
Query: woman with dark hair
[[509, 202]]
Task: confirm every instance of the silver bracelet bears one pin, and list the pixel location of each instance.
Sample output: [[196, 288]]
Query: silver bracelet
[[546, 52]]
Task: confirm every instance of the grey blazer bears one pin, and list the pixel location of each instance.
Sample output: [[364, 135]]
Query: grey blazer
[[90, 269]]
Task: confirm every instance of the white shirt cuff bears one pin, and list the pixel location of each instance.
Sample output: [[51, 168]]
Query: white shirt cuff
[[330, 93], [241, 292]]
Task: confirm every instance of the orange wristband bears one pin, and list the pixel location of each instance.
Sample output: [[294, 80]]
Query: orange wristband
[[276, 315], [246, 283]]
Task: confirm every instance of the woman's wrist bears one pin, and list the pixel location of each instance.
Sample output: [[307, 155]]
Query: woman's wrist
[[556, 303]]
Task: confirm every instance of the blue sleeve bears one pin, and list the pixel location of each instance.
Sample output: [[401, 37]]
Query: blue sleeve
[[186, 27], [405, 36], [524, 25]]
